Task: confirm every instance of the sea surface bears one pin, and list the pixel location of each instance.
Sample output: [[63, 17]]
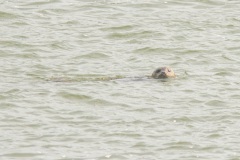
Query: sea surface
[[74, 80]]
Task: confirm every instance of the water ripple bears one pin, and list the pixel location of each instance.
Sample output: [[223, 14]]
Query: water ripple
[[74, 79]]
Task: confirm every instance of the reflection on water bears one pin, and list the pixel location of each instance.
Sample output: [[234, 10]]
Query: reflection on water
[[74, 79]]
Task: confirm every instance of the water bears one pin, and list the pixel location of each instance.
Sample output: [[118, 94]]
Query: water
[[80, 117]]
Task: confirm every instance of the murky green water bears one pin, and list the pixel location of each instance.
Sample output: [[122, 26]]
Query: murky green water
[[195, 116]]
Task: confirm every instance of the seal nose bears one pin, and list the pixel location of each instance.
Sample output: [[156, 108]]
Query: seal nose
[[163, 75]]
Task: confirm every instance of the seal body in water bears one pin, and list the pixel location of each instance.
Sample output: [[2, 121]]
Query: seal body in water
[[163, 72], [159, 73]]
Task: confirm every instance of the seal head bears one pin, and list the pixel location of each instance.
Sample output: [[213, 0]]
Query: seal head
[[163, 72]]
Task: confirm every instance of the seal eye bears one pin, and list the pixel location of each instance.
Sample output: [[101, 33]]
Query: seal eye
[[158, 70], [169, 70]]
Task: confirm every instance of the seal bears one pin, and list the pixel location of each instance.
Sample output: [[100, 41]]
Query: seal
[[163, 72], [159, 73]]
